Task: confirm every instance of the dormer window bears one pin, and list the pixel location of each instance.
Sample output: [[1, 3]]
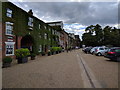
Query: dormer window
[[9, 13], [30, 22]]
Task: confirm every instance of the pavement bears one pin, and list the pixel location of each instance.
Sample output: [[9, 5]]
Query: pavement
[[74, 69], [55, 71]]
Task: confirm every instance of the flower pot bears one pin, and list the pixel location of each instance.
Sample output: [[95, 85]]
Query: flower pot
[[52, 53], [43, 54], [22, 60], [32, 58], [56, 52], [49, 54], [6, 65]]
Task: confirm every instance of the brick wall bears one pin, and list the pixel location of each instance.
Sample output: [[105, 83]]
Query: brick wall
[[0, 42]]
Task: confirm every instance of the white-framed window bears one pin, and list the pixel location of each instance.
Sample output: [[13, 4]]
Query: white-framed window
[[9, 13], [39, 26], [49, 29], [49, 39], [30, 22], [40, 48], [53, 32], [40, 36], [45, 27], [45, 35], [9, 51], [9, 28]]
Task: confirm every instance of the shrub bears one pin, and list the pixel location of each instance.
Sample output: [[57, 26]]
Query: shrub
[[42, 53], [7, 60], [54, 49], [59, 49], [23, 52], [33, 55]]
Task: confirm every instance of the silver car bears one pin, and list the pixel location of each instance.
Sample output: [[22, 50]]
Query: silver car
[[93, 50], [100, 51]]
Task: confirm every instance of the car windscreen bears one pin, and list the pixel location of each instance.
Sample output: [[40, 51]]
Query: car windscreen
[[101, 48], [112, 50]]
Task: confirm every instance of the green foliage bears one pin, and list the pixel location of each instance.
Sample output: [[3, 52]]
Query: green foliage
[[54, 49], [42, 53], [96, 36], [23, 52], [7, 60], [20, 20], [32, 55]]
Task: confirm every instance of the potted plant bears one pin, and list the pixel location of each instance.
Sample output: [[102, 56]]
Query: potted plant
[[43, 53], [49, 52], [52, 50], [22, 55], [33, 56], [7, 62], [59, 49]]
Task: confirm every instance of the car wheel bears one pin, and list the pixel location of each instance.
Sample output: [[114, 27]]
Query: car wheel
[[92, 52], [99, 54], [118, 59]]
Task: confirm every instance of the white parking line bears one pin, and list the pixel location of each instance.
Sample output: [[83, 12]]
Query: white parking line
[[88, 77]]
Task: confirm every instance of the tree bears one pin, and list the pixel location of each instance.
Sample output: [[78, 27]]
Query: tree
[[96, 36]]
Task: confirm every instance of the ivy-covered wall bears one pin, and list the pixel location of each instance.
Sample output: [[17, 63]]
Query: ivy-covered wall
[[20, 19]]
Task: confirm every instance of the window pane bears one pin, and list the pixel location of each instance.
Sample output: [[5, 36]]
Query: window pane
[[9, 49], [9, 28], [39, 26], [9, 12], [30, 22]]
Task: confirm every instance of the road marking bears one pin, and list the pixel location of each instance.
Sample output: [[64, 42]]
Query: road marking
[[88, 77]]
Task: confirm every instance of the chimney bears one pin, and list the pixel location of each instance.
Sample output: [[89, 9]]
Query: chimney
[[30, 12]]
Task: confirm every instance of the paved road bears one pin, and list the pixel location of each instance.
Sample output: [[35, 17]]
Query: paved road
[[105, 70], [65, 70]]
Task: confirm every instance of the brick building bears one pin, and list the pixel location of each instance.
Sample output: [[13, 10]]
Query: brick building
[[77, 41], [20, 29]]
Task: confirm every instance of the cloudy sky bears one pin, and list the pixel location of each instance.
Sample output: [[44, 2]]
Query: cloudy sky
[[75, 14]]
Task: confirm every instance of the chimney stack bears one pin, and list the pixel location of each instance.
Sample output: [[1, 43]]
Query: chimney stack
[[30, 12]]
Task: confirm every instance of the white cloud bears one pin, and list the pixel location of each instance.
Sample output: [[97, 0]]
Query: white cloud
[[75, 28], [65, 0]]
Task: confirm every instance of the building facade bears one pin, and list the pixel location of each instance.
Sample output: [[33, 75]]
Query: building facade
[[20, 29]]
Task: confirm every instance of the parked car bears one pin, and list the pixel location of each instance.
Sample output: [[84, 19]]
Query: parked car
[[99, 51], [93, 50], [113, 54], [83, 49], [87, 49]]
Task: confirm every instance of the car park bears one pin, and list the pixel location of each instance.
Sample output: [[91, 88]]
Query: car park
[[113, 54]]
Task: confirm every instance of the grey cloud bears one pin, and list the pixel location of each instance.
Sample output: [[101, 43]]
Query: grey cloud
[[85, 13]]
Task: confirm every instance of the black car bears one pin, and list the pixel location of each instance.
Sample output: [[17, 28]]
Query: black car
[[113, 54]]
